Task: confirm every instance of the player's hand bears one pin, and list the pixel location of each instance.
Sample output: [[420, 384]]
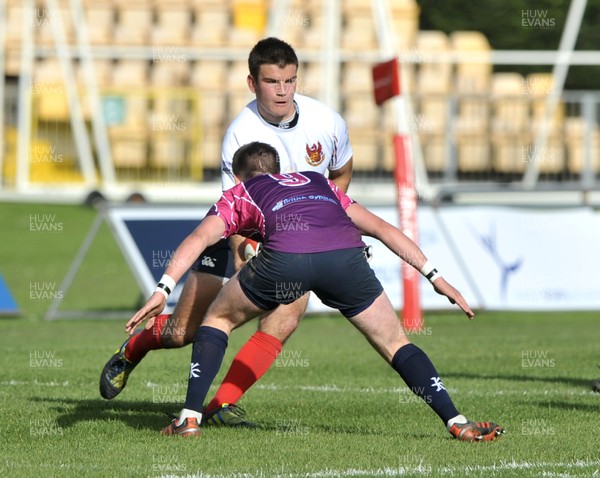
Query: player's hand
[[443, 288], [154, 306]]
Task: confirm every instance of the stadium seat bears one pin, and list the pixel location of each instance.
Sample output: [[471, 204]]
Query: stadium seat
[[129, 130], [169, 73], [471, 127], [430, 123], [576, 130], [237, 102], [310, 79], [472, 77], [312, 38], [130, 73], [510, 121], [473, 154], [405, 22], [13, 24], [356, 77], [538, 86], [432, 76], [129, 147], [364, 150], [173, 26], [167, 152], [431, 115], [292, 23], [102, 68], [210, 148], [250, 15], [361, 112], [209, 75], [358, 30], [100, 19], [212, 21], [12, 65], [236, 75], [47, 70], [48, 90], [135, 23], [43, 22], [510, 107], [248, 22], [242, 37], [213, 109]]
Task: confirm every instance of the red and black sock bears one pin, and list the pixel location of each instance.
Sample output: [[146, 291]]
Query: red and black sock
[[148, 339]]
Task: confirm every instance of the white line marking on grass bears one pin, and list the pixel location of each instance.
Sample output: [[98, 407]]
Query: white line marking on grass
[[423, 470], [19, 383], [453, 471], [333, 388]]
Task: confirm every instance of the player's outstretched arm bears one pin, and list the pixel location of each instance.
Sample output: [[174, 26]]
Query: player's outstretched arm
[[401, 245], [206, 234]]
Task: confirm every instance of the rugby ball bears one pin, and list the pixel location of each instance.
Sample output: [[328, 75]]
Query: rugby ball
[[250, 248]]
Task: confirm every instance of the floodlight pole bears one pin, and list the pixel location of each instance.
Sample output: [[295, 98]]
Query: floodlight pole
[[559, 75]]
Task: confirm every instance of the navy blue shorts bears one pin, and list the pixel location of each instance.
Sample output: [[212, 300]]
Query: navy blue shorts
[[216, 260], [342, 279]]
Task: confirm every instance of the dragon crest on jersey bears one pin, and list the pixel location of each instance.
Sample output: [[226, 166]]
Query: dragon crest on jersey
[[314, 154]]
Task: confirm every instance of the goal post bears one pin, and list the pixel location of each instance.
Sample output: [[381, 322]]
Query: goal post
[[386, 86]]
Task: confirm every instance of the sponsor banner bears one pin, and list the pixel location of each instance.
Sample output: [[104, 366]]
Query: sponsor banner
[[528, 259], [500, 258]]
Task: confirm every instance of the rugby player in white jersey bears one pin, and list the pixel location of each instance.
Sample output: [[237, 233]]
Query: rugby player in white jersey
[[308, 136]]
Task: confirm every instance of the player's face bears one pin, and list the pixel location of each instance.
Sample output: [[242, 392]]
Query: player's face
[[274, 89]]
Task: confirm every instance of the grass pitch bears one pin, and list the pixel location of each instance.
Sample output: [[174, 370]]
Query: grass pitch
[[328, 407]]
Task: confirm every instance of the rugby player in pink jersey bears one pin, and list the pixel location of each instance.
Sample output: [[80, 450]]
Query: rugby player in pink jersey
[[325, 256]]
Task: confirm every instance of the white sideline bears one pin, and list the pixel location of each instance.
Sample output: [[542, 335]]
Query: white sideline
[[424, 470]]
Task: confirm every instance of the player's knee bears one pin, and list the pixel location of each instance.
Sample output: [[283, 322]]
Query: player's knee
[[174, 338], [280, 327]]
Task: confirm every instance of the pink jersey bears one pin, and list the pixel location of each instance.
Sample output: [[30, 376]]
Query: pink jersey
[[292, 212]]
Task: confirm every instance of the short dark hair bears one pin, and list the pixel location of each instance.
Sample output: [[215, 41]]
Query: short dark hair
[[253, 159], [271, 51]]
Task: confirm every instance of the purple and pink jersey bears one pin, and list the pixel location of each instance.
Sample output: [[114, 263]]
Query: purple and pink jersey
[[292, 212]]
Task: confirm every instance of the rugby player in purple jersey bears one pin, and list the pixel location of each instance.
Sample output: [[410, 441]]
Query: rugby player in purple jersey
[[323, 253]]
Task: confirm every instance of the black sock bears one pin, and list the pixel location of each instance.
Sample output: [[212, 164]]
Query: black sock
[[422, 378], [207, 355]]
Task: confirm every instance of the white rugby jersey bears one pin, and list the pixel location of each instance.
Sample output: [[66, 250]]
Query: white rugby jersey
[[318, 142]]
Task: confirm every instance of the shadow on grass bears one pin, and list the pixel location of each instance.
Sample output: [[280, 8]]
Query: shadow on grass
[[567, 406], [574, 382], [138, 415]]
